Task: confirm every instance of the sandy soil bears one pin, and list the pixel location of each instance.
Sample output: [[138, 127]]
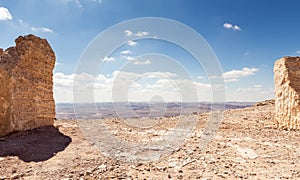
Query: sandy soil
[[246, 146]]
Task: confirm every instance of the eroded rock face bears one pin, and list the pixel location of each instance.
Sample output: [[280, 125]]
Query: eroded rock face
[[287, 92], [26, 95]]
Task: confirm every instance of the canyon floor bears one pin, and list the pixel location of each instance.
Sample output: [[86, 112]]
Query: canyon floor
[[247, 145]]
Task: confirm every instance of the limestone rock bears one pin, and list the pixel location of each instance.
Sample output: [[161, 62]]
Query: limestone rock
[[265, 103], [246, 153], [287, 89], [26, 92]]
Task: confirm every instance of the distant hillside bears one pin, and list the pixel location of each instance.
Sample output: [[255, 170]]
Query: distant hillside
[[139, 109]]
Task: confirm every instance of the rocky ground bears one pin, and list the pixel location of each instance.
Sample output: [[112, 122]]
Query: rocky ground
[[247, 145]]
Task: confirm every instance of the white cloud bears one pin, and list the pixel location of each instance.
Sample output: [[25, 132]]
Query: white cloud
[[126, 52], [142, 62], [236, 27], [298, 52], [58, 63], [254, 93], [257, 86], [249, 89], [142, 34], [79, 3], [109, 59], [41, 29], [138, 34], [235, 75], [231, 26], [161, 74], [99, 1], [166, 84], [130, 58], [62, 80], [128, 33], [131, 43], [227, 25], [5, 14], [135, 60]]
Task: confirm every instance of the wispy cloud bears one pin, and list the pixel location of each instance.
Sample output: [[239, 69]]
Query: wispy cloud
[[231, 26], [251, 93], [41, 29], [163, 83], [130, 58], [128, 33], [139, 62], [298, 52], [126, 52], [58, 63], [252, 89], [131, 43], [128, 55], [235, 75], [142, 34], [5, 14], [80, 3], [137, 34], [109, 59]]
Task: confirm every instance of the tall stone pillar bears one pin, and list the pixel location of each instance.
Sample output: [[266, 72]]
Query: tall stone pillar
[[26, 91], [287, 92]]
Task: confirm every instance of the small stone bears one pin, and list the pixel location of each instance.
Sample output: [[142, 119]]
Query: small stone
[[246, 153], [16, 176], [222, 175], [102, 167], [88, 172], [173, 164]]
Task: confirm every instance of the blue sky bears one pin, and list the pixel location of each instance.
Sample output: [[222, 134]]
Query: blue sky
[[246, 35]]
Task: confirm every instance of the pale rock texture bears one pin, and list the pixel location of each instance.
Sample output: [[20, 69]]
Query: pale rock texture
[[287, 89], [26, 92]]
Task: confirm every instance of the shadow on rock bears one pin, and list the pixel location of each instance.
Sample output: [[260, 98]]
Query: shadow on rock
[[35, 145]]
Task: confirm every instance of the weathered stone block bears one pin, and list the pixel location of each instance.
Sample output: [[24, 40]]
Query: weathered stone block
[[287, 92], [26, 92]]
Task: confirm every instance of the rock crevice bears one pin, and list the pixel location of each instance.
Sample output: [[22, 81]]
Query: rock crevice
[[26, 92]]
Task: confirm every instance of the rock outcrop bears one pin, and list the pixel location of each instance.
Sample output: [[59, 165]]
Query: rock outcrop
[[287, 92], [265, 103], [26, 92]]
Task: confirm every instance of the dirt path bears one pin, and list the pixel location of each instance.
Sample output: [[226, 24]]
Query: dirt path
[[247, 145]]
